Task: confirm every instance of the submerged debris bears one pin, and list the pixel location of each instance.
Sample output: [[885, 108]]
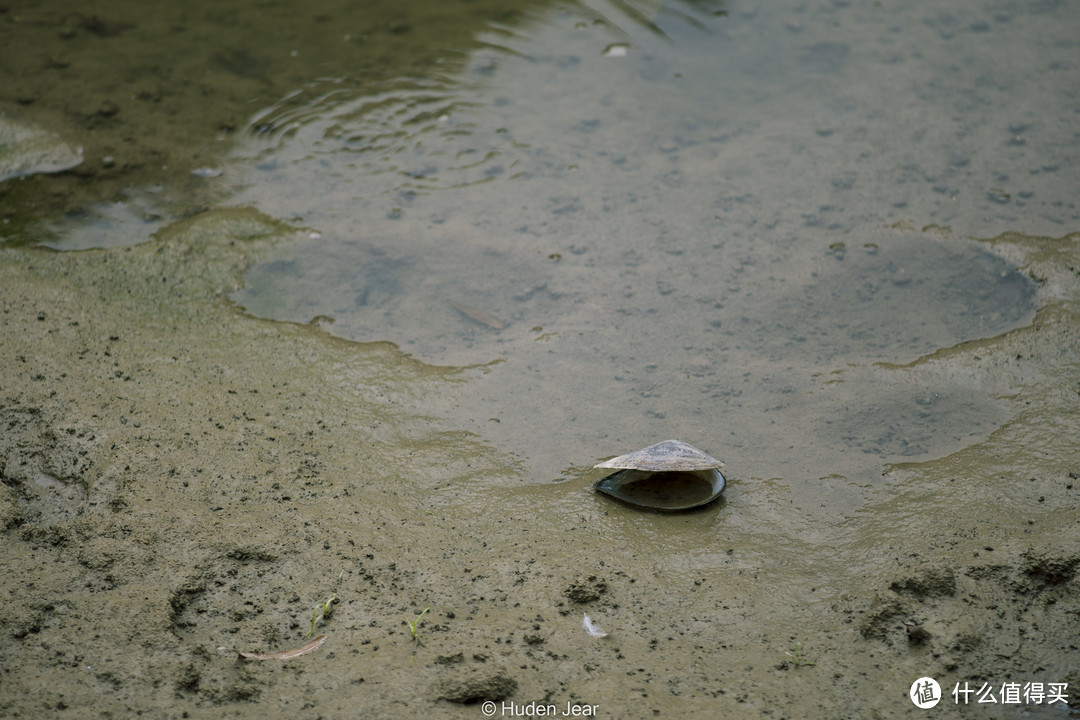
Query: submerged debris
[[479, 316], [26, 149]]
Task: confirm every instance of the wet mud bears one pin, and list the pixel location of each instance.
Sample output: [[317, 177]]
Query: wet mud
[[182, 483]]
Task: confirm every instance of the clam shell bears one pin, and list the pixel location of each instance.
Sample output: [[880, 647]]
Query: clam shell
[[667, 455], [667, 476]]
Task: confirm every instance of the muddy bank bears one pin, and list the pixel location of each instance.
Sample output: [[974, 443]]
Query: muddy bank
[[181, 482]]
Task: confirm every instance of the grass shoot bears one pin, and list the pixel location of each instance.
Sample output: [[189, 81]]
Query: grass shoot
[[415, 624]]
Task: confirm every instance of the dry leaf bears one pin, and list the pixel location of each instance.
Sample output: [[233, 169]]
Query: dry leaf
[[288, 654]]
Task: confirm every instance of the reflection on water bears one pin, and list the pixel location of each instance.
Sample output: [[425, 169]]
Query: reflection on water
[[364, 135], [683, 238]]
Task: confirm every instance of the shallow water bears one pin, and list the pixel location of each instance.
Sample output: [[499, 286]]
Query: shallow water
[[688, 239]]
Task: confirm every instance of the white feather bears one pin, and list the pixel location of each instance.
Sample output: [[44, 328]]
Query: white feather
[[592, 628]]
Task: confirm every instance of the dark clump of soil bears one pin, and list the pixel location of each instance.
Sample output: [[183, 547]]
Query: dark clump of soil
[[1048, 570], [934, 581], [588, 590], [984, 620], [474, 687]]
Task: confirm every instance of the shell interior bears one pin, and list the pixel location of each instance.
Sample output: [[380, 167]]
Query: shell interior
[[664, 490], [670, 455]]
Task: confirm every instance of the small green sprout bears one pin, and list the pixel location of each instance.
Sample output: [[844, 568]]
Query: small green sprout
[[413, 624], [800, 661], [323, 611]]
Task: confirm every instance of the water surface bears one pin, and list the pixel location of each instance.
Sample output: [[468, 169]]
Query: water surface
[[697, 221]]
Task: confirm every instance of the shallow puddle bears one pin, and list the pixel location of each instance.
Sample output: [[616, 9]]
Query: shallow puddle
[[639, 279]]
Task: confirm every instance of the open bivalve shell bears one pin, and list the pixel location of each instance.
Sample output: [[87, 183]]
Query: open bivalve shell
[[666, 476]]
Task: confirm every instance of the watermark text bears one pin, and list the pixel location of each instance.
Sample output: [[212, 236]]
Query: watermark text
[[508, 708]]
